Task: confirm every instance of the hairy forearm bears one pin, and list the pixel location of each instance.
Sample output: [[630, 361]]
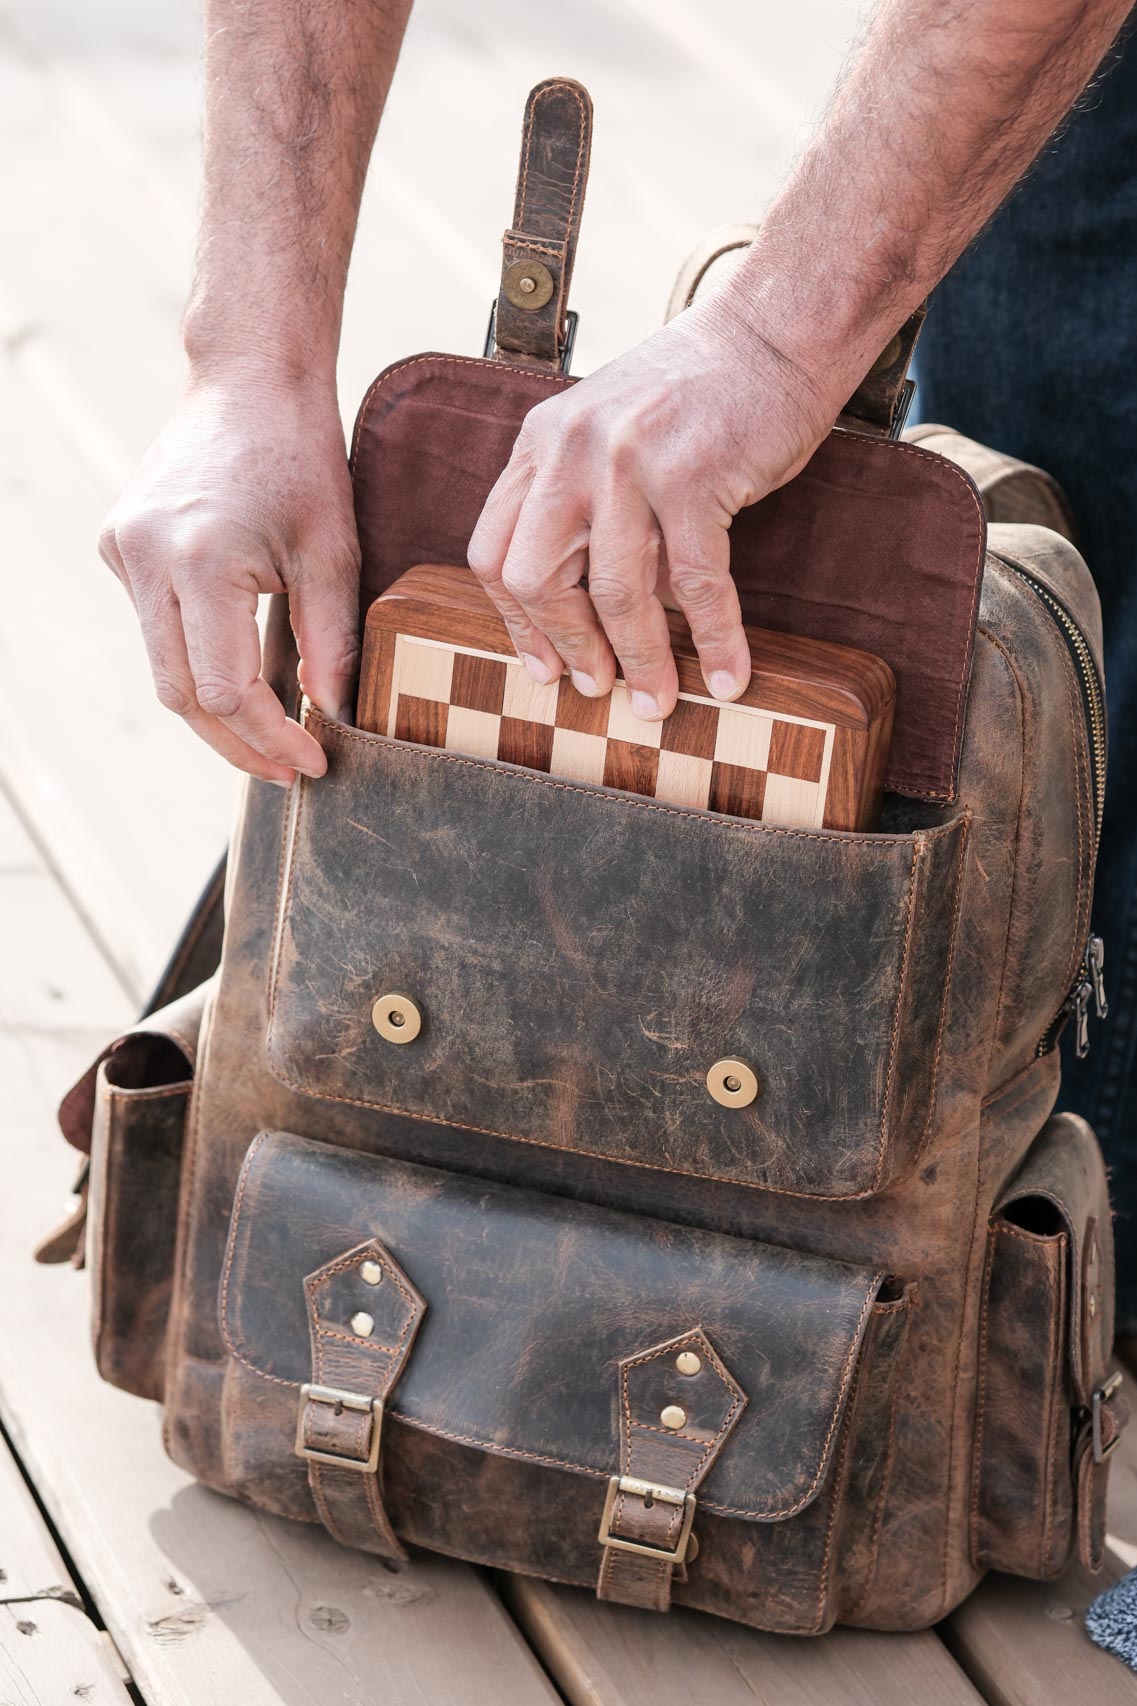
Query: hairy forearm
[[294, 93], [945, 105]]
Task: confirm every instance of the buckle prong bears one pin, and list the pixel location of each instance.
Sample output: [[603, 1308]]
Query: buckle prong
[[676, 1496], [343, 1401]]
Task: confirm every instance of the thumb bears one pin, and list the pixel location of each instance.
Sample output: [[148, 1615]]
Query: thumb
[[323, 603]]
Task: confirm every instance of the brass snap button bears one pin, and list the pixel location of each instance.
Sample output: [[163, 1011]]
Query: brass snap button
[[527, 284], [732, 1083], [362, 1324], [673, 1416], [397, 1018], [688, 1362], [370, 1273]]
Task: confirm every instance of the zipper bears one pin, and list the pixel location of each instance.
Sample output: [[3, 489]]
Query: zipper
[[1089, 985]]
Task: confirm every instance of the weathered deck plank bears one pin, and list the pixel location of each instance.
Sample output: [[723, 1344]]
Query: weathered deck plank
[[209, 1602], [50, 1651], [604, 1655]]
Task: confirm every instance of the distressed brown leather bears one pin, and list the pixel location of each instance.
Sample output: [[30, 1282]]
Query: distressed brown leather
[[539, 1164], [609, 942], [555, 147]]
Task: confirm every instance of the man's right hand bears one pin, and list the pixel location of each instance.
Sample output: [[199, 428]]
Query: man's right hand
[[245, 491]]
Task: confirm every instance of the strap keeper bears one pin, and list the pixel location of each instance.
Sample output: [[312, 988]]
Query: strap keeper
[[311, 1394], [663, 1495], [1100, 1398]]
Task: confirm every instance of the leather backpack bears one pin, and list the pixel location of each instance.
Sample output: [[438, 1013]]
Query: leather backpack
[[522, 1291]]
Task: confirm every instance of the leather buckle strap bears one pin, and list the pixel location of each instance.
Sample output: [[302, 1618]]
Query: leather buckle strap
[[340, 1401], [648, 1490], [363, 1315], [678, 1406], [530, 321]]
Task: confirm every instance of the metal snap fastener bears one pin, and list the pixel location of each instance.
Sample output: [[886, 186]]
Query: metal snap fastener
[[527, 284], [732, 1083], [370, 1273], [397, 1018], [688, 1362], [362, 1324], [673, 1416]]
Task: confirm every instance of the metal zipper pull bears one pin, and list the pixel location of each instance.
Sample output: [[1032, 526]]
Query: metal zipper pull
[[1082, 997], [1095, 967]]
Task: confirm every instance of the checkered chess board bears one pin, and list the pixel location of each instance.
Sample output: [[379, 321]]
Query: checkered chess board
[[738, 759]]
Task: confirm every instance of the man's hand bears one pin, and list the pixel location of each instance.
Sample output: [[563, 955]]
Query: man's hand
[[634, 477], [246, 491]]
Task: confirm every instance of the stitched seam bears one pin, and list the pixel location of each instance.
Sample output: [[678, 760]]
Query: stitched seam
[[954, 1408], [886, 1467], [552, 88], [1008, 662], [1021, 1082], [238, 1204], [1054, 1406], [859, 841], [980, 1553], [517, 240], [838, 1490], [949, 970], [894, 1036]]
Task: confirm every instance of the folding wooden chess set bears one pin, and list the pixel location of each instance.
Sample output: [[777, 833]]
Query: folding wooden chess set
[[804, 746]]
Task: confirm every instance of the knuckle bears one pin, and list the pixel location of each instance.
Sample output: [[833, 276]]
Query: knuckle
[[618, 597], [697, 586], [522, 581], [173, 692], [220, 695]]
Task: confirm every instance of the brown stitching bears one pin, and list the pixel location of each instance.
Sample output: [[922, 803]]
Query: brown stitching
[[979, 1553], [1009, 665], [1022, 1083], [949, 971], [517, 240], [886, 1468], [550, 89], [238, 1201], [857, 840], [894, 1035], [835, 1504], [954, 1407], [1056, 1406]]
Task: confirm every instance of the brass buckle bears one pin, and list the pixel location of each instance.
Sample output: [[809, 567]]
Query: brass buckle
[[1103, 1395], [346, 1401], [647, 1490]]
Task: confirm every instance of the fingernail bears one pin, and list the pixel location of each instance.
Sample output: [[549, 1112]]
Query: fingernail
[[723, 685], [645, 705], [277, 783], [539, 671], [313, 775], [583, 683]]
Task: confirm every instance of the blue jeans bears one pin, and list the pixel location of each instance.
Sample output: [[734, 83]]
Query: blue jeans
[[1031, 346]]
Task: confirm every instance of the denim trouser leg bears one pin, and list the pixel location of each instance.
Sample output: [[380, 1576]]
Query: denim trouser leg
[[1031, 347]]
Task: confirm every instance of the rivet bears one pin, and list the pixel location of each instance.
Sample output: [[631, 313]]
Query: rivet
[[362, 1324], [397, 1018], [673, 1416], [370, 1273], [528, 285], [687, 1362], [732, 1083]]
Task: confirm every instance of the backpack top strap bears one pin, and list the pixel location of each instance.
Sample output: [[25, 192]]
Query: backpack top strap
[[540, 247]]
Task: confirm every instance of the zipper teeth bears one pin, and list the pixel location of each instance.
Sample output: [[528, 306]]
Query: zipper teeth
[[1092, 696], [1088, 670]]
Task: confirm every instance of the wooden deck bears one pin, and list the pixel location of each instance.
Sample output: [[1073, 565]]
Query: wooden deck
[[120, 1580]]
